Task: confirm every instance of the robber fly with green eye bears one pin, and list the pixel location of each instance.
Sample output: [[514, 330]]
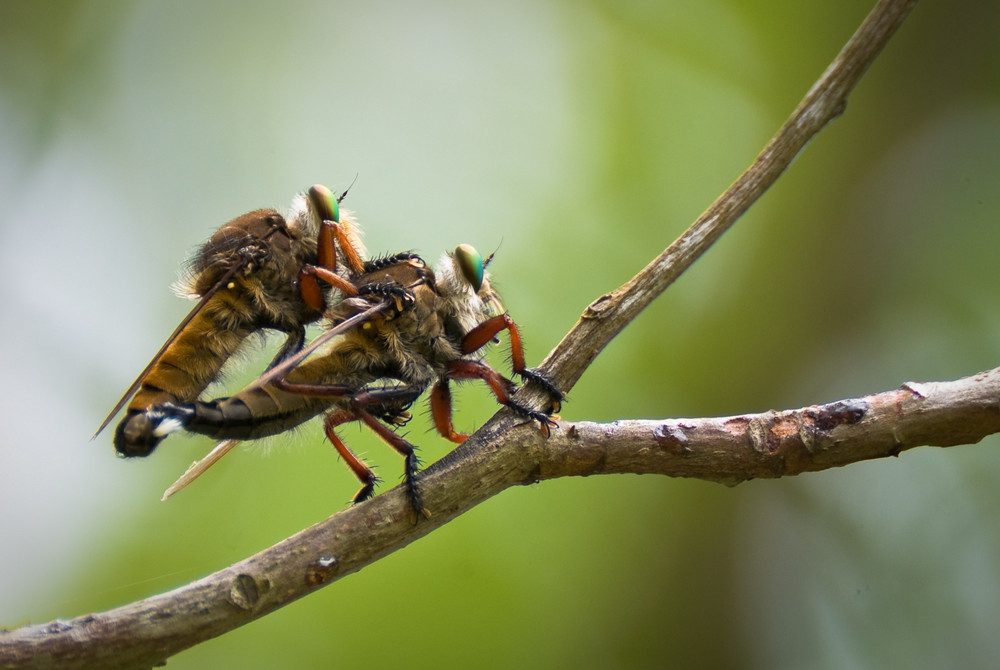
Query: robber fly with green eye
[[259, 271], [407, 329]]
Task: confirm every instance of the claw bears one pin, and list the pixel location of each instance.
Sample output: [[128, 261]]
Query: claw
[[545, 424], [545, 421], [367, 490]]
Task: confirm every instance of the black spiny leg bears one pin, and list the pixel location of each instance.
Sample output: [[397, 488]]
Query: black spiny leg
[[400, 295], [540, 379], [293, 345], [411, 465], [390, 402], [383, 262], [397, 397]]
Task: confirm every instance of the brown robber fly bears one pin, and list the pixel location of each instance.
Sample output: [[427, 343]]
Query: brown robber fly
[[258, 271], [407, 328]]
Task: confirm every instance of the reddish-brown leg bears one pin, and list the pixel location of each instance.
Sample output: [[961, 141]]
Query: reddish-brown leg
[[309, 277], [481, 335], [465, 369], [441, 412], [402, 447], [397, 399], [357, 466], [331, 235], [350, 253], [502, 388], [326, 249], [332, 420]]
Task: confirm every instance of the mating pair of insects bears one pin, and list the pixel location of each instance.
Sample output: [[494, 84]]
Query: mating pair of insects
[[396, 327]]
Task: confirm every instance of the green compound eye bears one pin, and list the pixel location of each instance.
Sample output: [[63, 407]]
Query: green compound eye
[[471, 263], [325, 202]]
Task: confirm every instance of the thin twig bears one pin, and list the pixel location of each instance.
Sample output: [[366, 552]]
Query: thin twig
[[608, 315], [505, 452]]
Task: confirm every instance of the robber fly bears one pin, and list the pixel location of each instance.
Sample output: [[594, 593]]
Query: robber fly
[[258, 271], [409, 328]]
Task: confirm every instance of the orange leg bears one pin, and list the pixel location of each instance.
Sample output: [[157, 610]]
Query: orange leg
[[481, 335], [331, 236], [357, 466], [326, 249], [350, 253], [441, 412], [386, 400], [309, 277], [402, 447], [502, 388]]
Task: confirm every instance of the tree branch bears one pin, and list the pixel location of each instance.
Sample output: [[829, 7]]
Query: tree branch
[[504, 452], [730, 450]]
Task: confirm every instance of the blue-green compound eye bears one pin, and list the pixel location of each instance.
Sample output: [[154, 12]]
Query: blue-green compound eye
[[471, 263], [325, 202]]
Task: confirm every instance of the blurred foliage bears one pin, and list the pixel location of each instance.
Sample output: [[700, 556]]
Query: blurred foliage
[[580, 137]]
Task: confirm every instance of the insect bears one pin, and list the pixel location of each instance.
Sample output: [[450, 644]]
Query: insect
[[259, 271], [409, 328]]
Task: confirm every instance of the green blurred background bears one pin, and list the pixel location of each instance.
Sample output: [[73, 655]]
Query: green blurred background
[[584, 136]]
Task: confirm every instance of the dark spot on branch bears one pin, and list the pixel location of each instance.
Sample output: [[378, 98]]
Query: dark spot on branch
[[914, 388], [758, 432], [842, 412], [57, 626], [321, 570], [671, 437], [598, 307], [244, 593]]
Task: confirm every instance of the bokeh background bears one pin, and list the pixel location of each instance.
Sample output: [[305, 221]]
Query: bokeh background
[[580, 138]]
